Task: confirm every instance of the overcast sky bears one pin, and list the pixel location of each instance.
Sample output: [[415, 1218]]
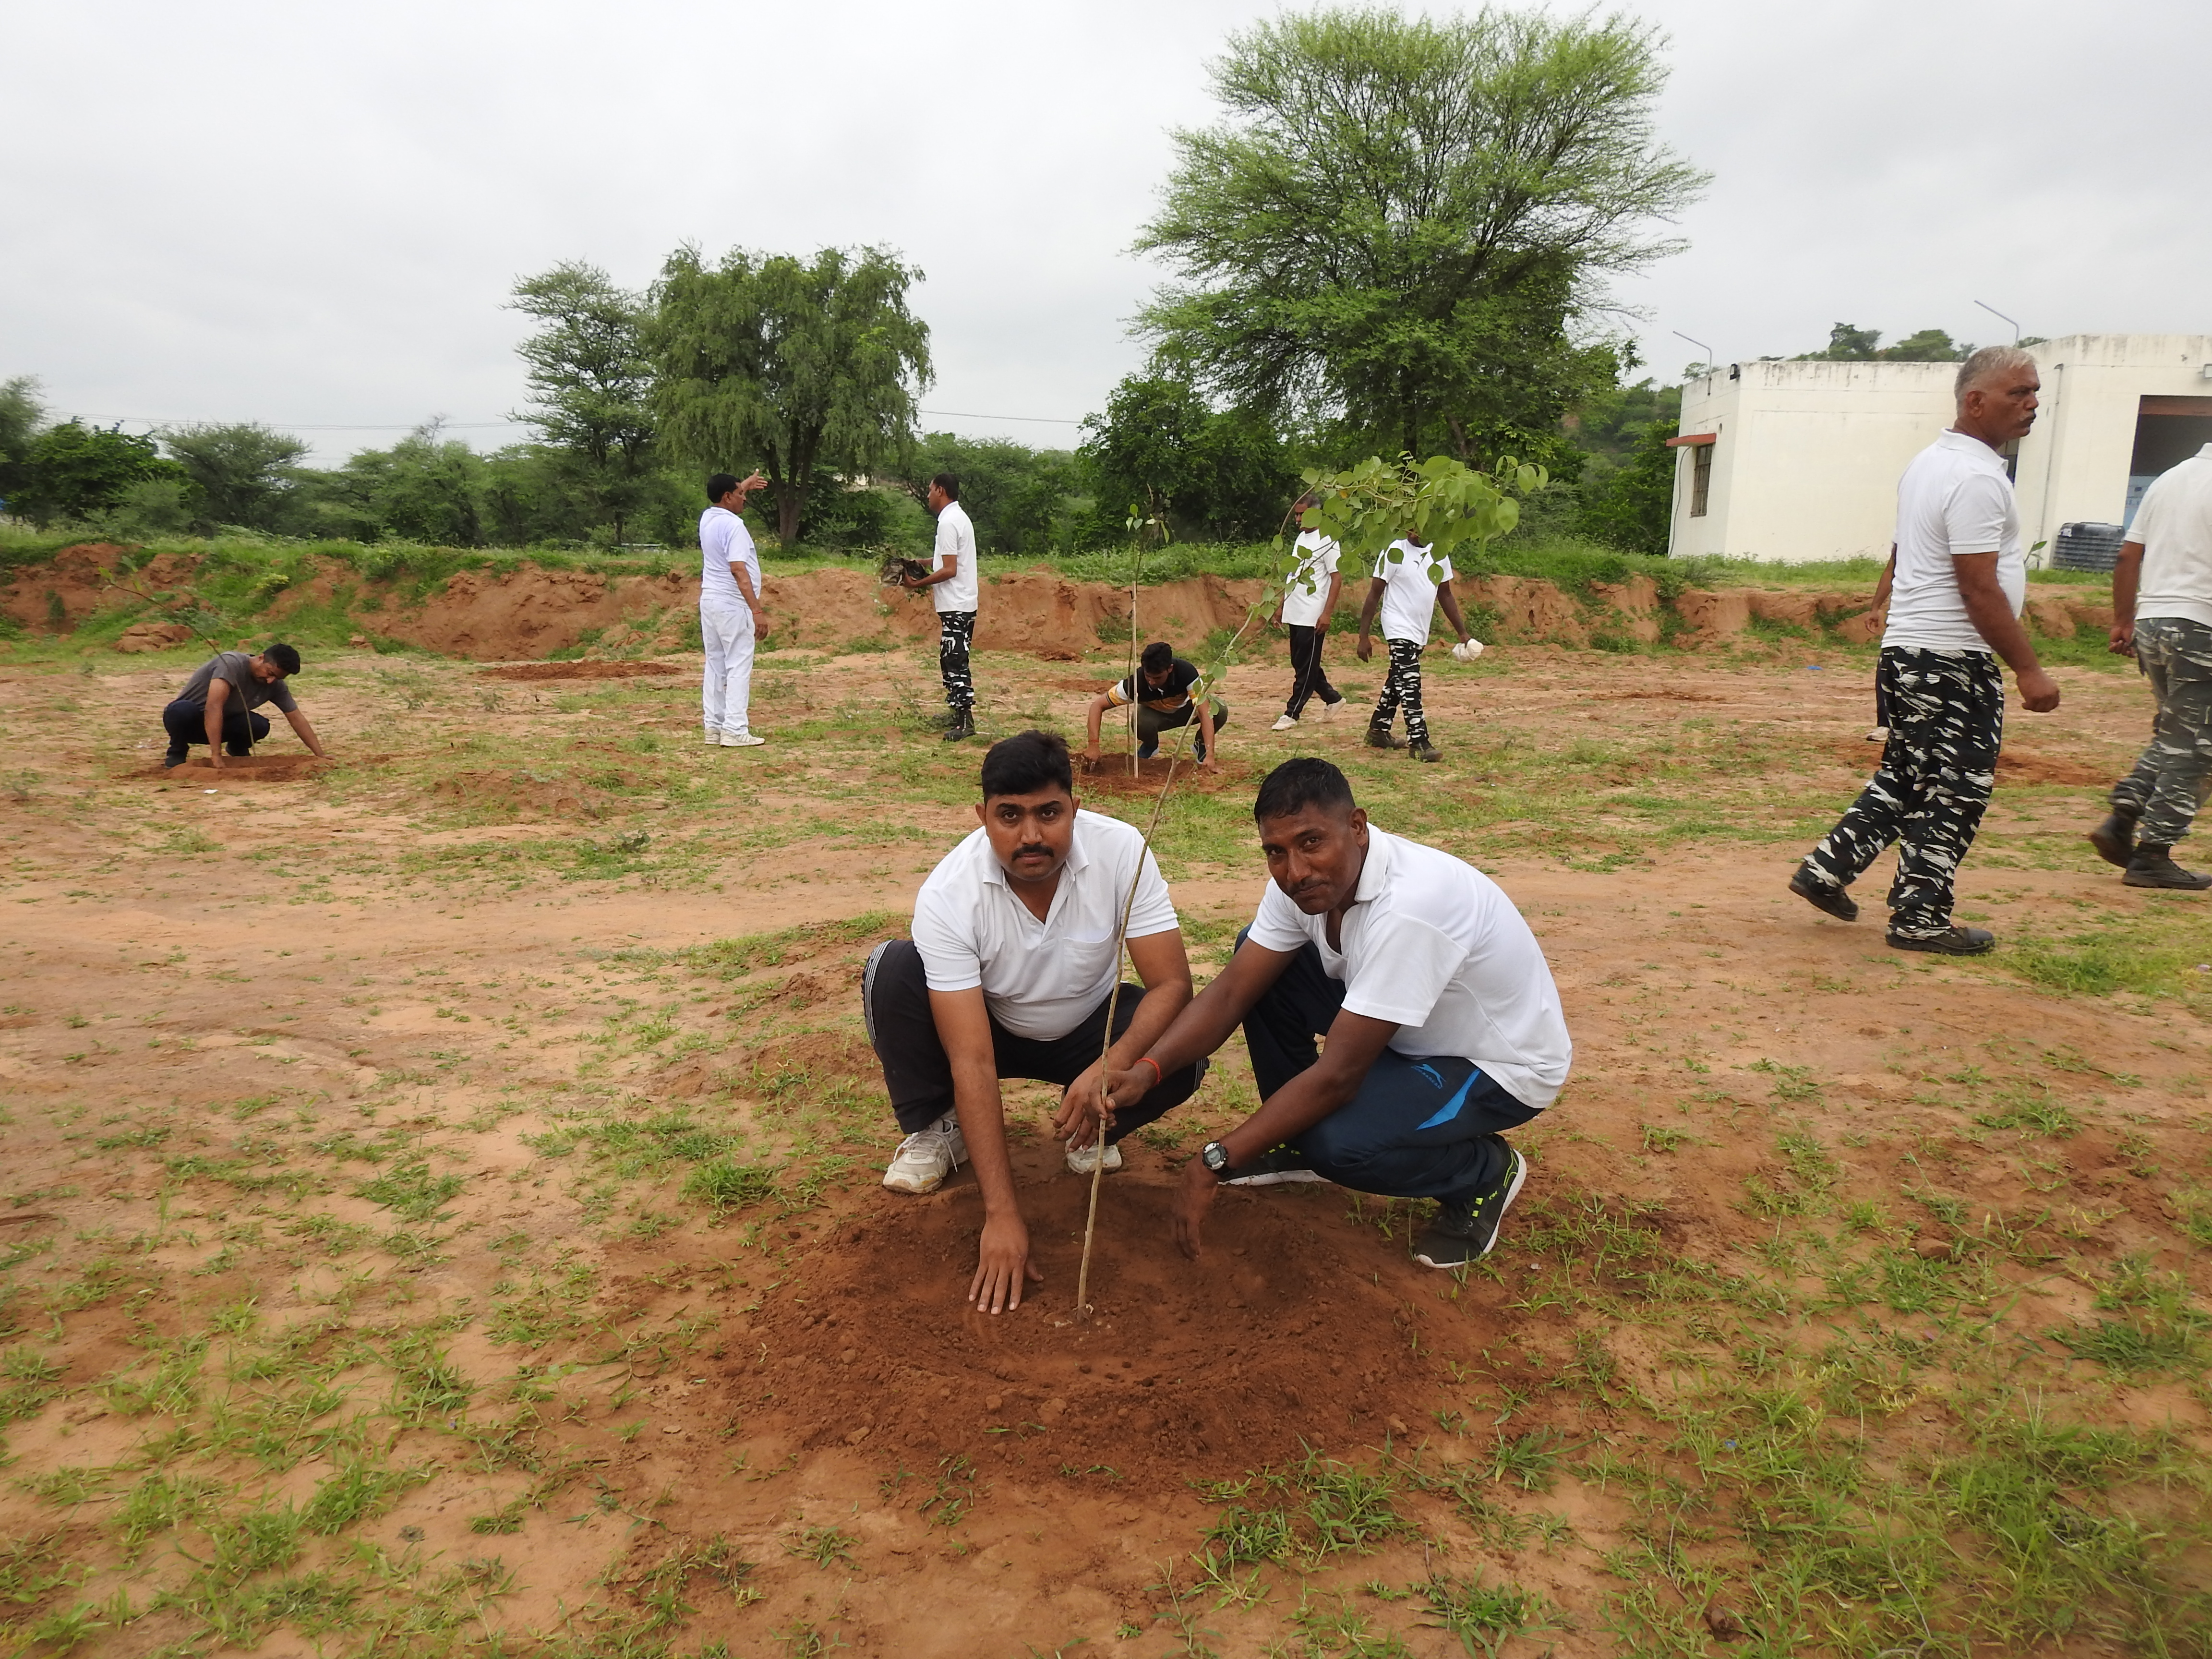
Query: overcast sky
[[311, 215]]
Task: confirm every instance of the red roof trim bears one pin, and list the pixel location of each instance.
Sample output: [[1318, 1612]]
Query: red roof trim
[[1692, 438]]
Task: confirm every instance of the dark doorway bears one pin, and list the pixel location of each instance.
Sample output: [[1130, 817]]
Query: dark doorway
[[2168, 431]]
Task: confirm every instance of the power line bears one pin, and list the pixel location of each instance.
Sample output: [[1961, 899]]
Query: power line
[[413, 426]]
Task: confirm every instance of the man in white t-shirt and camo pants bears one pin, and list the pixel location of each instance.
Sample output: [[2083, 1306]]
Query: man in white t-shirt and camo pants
[[951, 582], [729, 612], [1443, 1026], [1309, 601], [1958, 580], [1409, 583], [2162, 616], [1010, 973]]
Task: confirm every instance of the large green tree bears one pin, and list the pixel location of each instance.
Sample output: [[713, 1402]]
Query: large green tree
[[805, 369], [1019, 498], [73, 471], [1849, 344], [1404, 225], [590, 386], [1215, 475], [22, 415], [244, 471]]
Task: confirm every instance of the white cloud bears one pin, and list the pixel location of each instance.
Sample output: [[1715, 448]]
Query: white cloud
[[236, 210]]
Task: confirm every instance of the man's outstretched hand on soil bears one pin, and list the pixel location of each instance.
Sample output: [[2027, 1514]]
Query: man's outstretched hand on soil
[[1003, 1265], [1193, 1198]]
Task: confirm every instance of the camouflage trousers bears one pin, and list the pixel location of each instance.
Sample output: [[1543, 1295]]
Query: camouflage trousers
[[1945, 719], [2171, 781], [955, 632], [1401, 689]]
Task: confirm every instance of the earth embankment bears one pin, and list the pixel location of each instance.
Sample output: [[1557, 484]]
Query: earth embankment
[[528, 610]]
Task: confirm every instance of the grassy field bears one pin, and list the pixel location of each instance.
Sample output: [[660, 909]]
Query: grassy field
[[439, 1213]]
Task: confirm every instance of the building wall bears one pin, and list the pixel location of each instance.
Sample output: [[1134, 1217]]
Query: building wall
[[2074, 465], [1806, 454]]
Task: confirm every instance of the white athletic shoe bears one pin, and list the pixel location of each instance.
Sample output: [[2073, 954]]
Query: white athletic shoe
[[1082, 1160], [741, 740], [926, 1157], [1878, 734], [713, 737], [1283, 723]]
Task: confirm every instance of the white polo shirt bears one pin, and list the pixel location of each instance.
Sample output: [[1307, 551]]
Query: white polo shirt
[[955, 545], [1954, 499], [2173, 522], [724, 541], [1409, 598], [1432, 944], [1307, 591], [1039, 978]]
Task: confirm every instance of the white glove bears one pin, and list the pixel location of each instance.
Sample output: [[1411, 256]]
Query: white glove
[[1467, 651]]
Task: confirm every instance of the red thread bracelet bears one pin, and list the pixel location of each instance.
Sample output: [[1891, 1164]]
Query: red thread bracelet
[[1159, 1076]]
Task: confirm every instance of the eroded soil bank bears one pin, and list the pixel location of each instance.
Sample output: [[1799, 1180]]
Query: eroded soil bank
[[530, 610]]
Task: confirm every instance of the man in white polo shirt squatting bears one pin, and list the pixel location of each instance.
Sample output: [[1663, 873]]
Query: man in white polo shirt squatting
[[729, 611], [1959, 580], [2162, 616], [953, 590], [1443, 1026], [1009, 974]]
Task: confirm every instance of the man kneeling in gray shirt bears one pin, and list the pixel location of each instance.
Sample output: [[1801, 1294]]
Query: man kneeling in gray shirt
[[216, 705]]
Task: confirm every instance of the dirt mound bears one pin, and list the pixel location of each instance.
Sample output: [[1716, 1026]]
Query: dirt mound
[[581, 670], [523, 795], [2025, 766], [1293, 1325], [1111, 775], [249, 768]]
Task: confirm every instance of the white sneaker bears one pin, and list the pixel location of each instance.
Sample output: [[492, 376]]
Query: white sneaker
[[1878, 734], [1082, 1160], [741, 740], [926, 1157], [1283, 723], [713, 737]]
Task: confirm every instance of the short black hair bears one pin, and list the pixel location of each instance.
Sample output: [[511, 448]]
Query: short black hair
[[1157, 657], [1297, 784], [283, 656], [720, 485], [1026, 763], [949, 483]]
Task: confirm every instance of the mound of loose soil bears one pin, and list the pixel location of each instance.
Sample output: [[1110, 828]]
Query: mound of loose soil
[[1295, 1324], [581, 671], [249, 768], [2022, 766], [1110, 777]]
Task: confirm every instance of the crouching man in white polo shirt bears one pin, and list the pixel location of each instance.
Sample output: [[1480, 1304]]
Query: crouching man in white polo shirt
[[1009, 974], [1443, 1026]]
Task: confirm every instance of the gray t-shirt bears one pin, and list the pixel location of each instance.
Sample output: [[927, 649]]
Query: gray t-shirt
[[246, 691]]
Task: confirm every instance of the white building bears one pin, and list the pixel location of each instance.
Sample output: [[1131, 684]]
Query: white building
[[1797, 461]]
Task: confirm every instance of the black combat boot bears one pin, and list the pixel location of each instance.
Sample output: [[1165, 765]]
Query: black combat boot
[[2153, 865], [963, 725], [2115, 838]]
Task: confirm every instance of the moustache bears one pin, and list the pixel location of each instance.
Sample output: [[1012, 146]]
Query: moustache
[[1033, 850]]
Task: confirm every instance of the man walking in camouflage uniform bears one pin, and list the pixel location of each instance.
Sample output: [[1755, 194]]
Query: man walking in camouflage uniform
[[952, 581], [2162, 612], [1959, 580]]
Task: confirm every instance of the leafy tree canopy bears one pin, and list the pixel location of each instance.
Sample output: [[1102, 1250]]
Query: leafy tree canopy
[[1019, 498], [801, 367], [1403, 227], [78, 472], [1213, 475], [243, 472], [1849, 344], [591, 387]]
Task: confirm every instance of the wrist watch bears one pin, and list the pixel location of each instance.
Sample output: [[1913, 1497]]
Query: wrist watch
[[1215, 1157]]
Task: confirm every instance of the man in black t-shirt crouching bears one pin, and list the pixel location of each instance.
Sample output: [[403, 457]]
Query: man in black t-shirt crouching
[[216, 705], [1169, 692]]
